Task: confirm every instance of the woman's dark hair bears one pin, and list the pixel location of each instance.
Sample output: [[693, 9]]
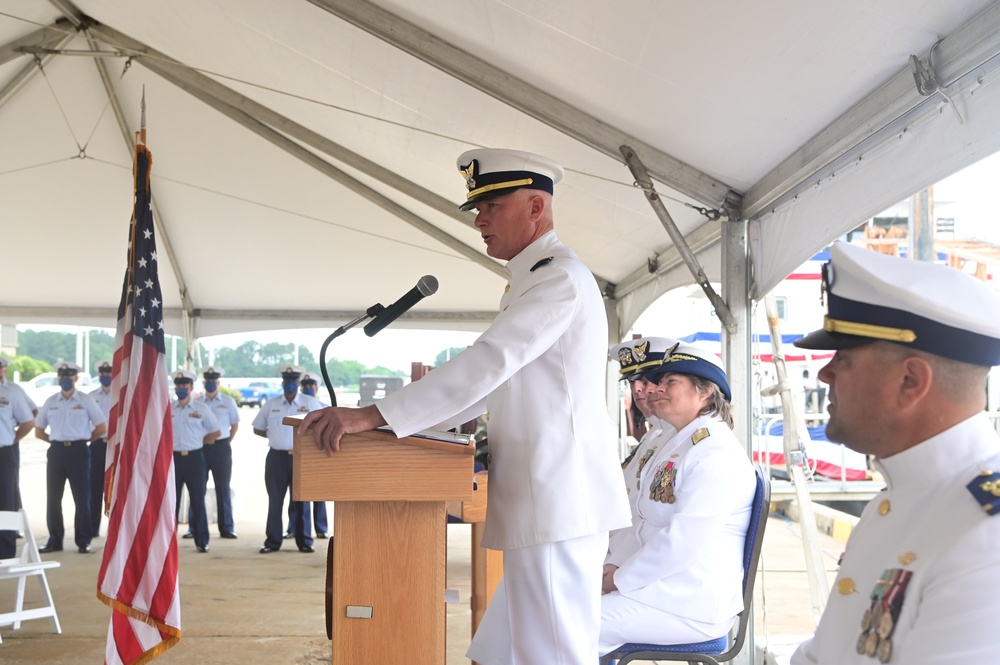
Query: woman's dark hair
[[716, 405]]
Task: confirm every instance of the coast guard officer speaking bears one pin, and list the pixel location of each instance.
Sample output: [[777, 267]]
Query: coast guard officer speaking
[[919, 581], [556, 485]]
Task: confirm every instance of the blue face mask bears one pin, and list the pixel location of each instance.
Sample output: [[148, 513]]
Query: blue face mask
[[105, 380], [182, 392], [211, 386], [290, 387], [309, 390], [66, 383]]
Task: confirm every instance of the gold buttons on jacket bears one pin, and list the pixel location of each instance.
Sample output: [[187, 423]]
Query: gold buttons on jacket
[[906, 558], [845, 587], [506, 288], [884, 507]]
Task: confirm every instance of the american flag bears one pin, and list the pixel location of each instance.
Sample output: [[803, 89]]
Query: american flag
[[139, 573]]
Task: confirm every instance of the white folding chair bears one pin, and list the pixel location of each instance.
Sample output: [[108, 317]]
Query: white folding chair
[[27, 564]]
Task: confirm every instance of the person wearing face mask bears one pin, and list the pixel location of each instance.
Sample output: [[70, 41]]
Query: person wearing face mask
[[99, 448], [16, 420], [309, 384], [73, 419], [278, 465], [194, 426], [219, 453]]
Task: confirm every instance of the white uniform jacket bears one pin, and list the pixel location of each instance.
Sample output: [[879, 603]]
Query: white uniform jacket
[[540, 371], [660, 434], [929, 524], [686, 557]]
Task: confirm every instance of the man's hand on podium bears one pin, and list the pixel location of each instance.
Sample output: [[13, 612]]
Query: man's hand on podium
[[330, 424]]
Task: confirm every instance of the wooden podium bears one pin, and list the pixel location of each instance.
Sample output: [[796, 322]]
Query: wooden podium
[[386, 600]]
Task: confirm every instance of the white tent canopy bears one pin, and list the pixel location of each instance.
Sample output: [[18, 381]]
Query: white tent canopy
[[304, 150]]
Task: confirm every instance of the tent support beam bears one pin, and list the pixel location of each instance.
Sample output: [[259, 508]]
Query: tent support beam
[[697, 241], [258, 117], [532, 101], [161, 63], [22, 77], [302, 154], [47, 36], [641, 176], [736, 354], [965, 50], [163, 236]]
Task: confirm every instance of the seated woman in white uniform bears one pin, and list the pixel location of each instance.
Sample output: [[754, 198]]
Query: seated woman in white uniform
[[676, 576]]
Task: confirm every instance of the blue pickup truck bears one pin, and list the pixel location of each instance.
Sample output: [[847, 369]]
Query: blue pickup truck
[[257, 393]]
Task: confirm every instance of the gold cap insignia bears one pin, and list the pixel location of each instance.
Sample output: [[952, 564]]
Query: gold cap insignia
[[641, 351], [469, 172], [625, 356]]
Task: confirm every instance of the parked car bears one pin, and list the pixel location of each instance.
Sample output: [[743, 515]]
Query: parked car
[[257, 393], [45, 385]]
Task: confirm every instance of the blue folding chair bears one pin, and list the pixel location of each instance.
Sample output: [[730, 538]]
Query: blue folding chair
[[725, 648]]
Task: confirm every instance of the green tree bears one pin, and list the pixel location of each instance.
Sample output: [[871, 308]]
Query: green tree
[[344, 372], [27, 368], [48, 345]]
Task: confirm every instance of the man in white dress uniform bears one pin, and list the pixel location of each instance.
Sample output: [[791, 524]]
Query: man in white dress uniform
[[556, 486], [919, 581]]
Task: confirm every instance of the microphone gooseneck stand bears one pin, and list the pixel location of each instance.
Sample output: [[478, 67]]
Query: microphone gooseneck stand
[[369, 313], [382, 316]]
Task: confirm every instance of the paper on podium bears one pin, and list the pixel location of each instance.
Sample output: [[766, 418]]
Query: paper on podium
[[436, 435]]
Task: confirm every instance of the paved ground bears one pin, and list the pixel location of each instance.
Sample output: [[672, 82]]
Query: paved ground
[[242, 607]]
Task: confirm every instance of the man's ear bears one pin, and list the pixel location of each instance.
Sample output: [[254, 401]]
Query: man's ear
[[537, 206], [917, 379]]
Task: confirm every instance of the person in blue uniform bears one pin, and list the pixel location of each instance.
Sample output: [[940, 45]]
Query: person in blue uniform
[[676, 575], [278, 465], [540, 370], [16, 420], [309, 384], [73, 420], [919, 580], [194, 426], [99, 448], [219, 453]]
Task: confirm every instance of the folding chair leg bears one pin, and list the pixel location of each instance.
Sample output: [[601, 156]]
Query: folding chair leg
[[47, 593], [19, 601]]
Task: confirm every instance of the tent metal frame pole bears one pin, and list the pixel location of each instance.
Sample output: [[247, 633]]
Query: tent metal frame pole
[[641, 176], [162, 63], [22, 77], [736, 354], [528, 99], [967, 49], [302, 154], [164, 236], [44, 37], [229, 101]]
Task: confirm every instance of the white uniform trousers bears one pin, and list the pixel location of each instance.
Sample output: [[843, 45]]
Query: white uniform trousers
[[626, 620], [547, 608]]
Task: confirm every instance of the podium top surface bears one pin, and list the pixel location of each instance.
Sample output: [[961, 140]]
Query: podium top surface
[[450, 442]]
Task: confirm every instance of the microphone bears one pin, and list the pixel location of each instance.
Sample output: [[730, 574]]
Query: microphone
[[428, 285]]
